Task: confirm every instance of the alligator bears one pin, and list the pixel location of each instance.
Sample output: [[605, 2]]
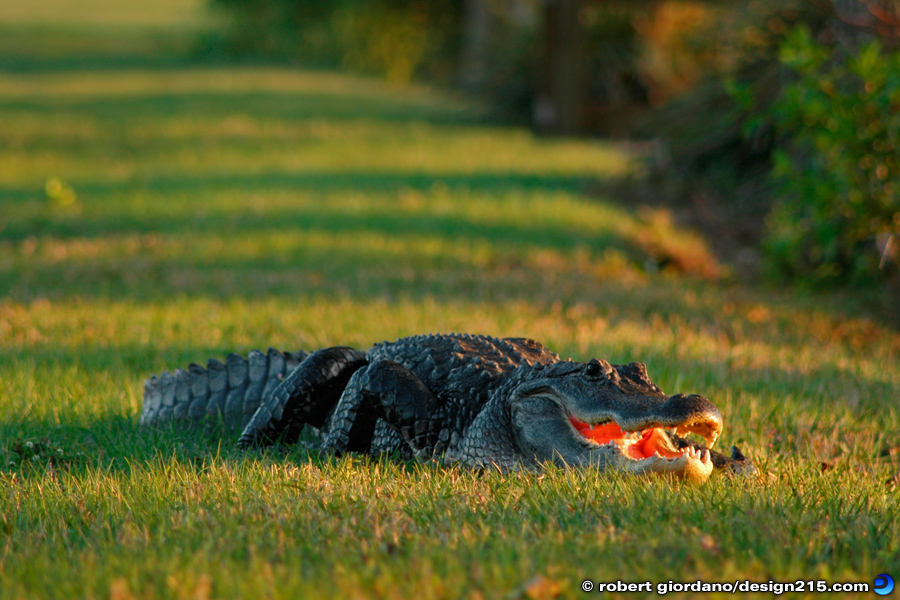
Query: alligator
[[484, 402]]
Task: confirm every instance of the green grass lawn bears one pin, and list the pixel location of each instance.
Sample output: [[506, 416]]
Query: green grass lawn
[[157, 213]]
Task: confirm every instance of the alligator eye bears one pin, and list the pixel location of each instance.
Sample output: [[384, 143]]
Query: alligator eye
[[592, 369]]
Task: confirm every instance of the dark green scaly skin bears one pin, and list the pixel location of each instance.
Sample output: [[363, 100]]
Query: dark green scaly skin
[[478, 400]]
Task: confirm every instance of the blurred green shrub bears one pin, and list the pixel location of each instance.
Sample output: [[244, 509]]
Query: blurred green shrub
[[837, 173], [278, 28], [719, 138], [382, 39], [791, 143], [397, 39]]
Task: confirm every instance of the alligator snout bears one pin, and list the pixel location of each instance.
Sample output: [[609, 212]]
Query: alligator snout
[[690, 413]]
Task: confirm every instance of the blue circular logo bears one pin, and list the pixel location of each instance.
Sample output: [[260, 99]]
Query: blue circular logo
[[884, 585]]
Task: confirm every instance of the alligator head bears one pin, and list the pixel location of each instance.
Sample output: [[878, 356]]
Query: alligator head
[[612, 416]]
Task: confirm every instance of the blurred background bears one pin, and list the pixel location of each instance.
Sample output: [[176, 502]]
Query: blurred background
[[772, 124], [770, 127]]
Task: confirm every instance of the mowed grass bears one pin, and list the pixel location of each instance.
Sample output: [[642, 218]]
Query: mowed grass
[[153, 215]]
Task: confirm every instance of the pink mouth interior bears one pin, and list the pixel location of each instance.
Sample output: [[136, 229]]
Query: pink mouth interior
[[644, 445]]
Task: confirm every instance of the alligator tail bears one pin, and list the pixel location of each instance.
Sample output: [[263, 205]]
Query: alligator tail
[[231, 391]]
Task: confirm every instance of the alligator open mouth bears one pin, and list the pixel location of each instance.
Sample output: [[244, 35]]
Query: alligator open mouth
[[652, 442]]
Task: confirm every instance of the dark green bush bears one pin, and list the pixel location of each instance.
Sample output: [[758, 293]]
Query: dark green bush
[[393, 38], [280, 28], [838, 172]]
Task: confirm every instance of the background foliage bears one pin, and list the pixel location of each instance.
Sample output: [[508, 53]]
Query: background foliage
[[397, 39], [777, 142], [839, 170]]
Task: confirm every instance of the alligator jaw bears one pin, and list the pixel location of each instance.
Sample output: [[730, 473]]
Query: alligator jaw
[[650, 450], [681, 414], [610, 429], [708, 431], [694, 466]]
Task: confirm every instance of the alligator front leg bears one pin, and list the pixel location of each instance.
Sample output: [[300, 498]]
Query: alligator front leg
[[306, 396], [390, 392]]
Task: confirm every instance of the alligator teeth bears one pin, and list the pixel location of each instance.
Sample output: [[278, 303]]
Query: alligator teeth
[[697, 454]]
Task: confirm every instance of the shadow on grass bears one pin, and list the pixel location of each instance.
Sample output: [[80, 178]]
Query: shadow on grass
[[113, 443], [48, 48], [255, 183], [352, 105], [22, 62]]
